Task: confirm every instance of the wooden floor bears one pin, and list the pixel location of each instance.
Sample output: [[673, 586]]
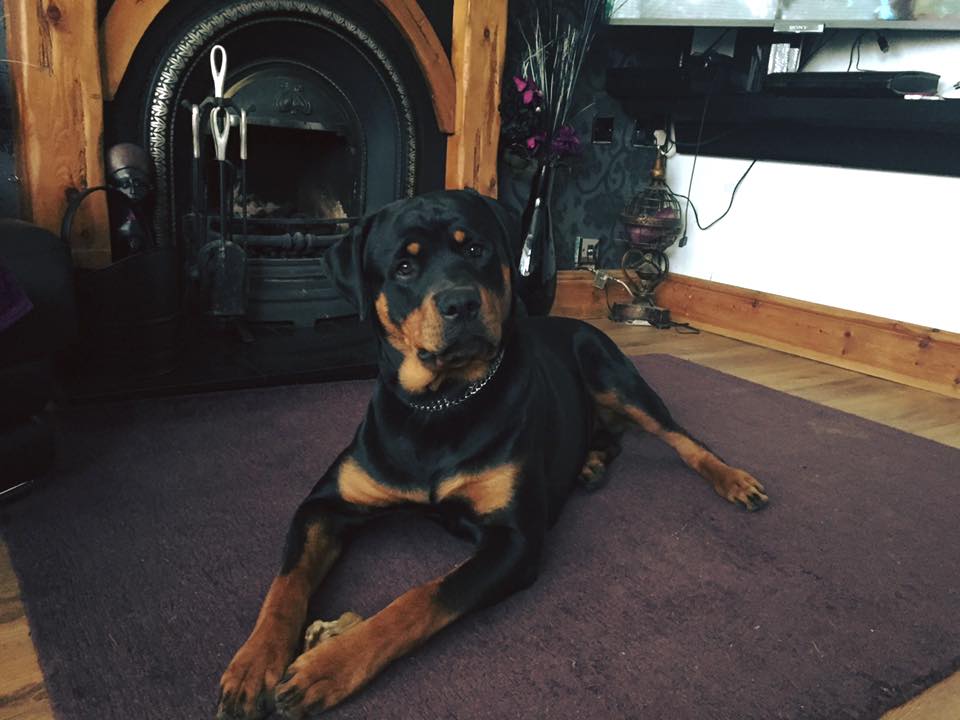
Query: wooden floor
[[22, 695]]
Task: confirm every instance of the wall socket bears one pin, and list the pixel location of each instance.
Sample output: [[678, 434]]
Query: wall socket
[[586, 255], [643, 135], [602, 133]]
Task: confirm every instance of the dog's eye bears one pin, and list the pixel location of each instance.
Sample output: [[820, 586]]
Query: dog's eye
[[405, 269], [475, 250]]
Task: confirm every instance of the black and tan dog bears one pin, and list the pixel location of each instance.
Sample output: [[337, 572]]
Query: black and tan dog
[[483, 418]]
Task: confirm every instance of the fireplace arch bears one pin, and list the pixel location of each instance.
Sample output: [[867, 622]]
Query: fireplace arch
[[357, 54]]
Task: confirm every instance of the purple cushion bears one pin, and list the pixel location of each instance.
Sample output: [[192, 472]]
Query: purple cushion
[[14, 303]]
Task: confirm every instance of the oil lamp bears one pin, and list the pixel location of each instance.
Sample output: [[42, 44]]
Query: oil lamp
[[649, 224]]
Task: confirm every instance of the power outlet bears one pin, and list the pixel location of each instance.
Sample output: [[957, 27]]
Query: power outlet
[[602, 133], [643, 135], [587, 252]]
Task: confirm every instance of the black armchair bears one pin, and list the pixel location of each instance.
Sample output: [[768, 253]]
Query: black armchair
[[41, 264]]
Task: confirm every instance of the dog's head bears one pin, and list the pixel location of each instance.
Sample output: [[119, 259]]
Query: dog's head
[[437, 273]]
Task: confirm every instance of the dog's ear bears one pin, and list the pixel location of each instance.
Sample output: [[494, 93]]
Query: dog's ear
[[345, 261]]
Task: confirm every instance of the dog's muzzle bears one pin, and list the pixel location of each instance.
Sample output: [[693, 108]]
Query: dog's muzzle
[[466, 338]]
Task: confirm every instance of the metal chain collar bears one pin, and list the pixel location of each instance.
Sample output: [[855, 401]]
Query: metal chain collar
[[442, 404]]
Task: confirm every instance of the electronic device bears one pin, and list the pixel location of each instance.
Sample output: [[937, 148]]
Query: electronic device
[[793, 14], [852, 84]]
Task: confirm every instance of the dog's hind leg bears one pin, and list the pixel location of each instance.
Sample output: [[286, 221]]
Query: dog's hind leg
[[622, 395], [604, 447]]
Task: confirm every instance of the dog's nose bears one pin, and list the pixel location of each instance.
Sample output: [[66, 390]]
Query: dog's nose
[[461, 303]]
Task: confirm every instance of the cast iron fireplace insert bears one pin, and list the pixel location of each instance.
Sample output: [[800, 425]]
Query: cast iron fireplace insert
[[340, 123]]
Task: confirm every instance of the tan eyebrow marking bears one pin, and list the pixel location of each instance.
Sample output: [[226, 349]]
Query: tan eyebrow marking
[[459, 235], [413, 248]]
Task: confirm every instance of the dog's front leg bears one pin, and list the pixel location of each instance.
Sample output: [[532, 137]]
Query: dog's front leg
[[505, 562], [246, 688]]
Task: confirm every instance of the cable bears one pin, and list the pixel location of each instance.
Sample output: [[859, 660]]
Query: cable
[[687, 328], [606, 290], [709, 141], [696, 215], [696, 154], [73, 205], [855, 46], [882, 43], [693, 170]]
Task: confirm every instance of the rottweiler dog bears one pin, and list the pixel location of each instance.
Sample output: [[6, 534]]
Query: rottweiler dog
[[482, 417]]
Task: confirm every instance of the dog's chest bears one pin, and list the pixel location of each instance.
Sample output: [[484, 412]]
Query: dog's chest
[[431, 465]]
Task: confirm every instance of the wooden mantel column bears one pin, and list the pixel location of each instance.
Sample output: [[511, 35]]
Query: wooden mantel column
[[55, 67], [479, 50]]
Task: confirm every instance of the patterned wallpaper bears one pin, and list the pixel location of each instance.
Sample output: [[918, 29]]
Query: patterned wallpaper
[[588, 195]]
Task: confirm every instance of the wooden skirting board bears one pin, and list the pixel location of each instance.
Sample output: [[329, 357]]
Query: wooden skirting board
[[909, 354]]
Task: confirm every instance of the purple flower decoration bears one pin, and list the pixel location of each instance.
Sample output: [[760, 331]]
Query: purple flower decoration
[[535, 141], [528, 89], [565, 142]]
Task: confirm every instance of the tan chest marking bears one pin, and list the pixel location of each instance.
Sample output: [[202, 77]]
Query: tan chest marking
[[486, 491], [357, 486]]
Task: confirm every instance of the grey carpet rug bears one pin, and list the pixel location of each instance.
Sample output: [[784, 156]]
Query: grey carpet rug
[[143, 563]]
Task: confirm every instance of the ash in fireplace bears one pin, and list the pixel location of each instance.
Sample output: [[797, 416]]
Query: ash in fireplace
[[312, 203]]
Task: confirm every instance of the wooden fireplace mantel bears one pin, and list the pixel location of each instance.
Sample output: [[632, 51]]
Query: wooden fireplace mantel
[[54, 65], [128, 20], [63, 67]]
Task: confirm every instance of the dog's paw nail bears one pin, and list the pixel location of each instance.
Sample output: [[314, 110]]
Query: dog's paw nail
[[235, 708], [288, 696], [265, 704]]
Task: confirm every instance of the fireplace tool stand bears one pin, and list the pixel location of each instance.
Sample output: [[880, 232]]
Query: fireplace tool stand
[[233, 259], [217, 262]]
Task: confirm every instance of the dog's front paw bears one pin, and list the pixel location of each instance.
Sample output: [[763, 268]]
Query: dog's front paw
[[246, 688], [324, 676], [740, 487]]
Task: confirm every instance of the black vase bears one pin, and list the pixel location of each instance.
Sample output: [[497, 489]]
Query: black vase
[[538, 253]]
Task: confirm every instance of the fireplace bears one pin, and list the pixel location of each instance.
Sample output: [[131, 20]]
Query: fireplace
[[293, 192], [340, 122]]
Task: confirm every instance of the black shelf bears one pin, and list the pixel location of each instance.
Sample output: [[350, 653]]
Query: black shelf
[[938, 116], [920, 136]]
